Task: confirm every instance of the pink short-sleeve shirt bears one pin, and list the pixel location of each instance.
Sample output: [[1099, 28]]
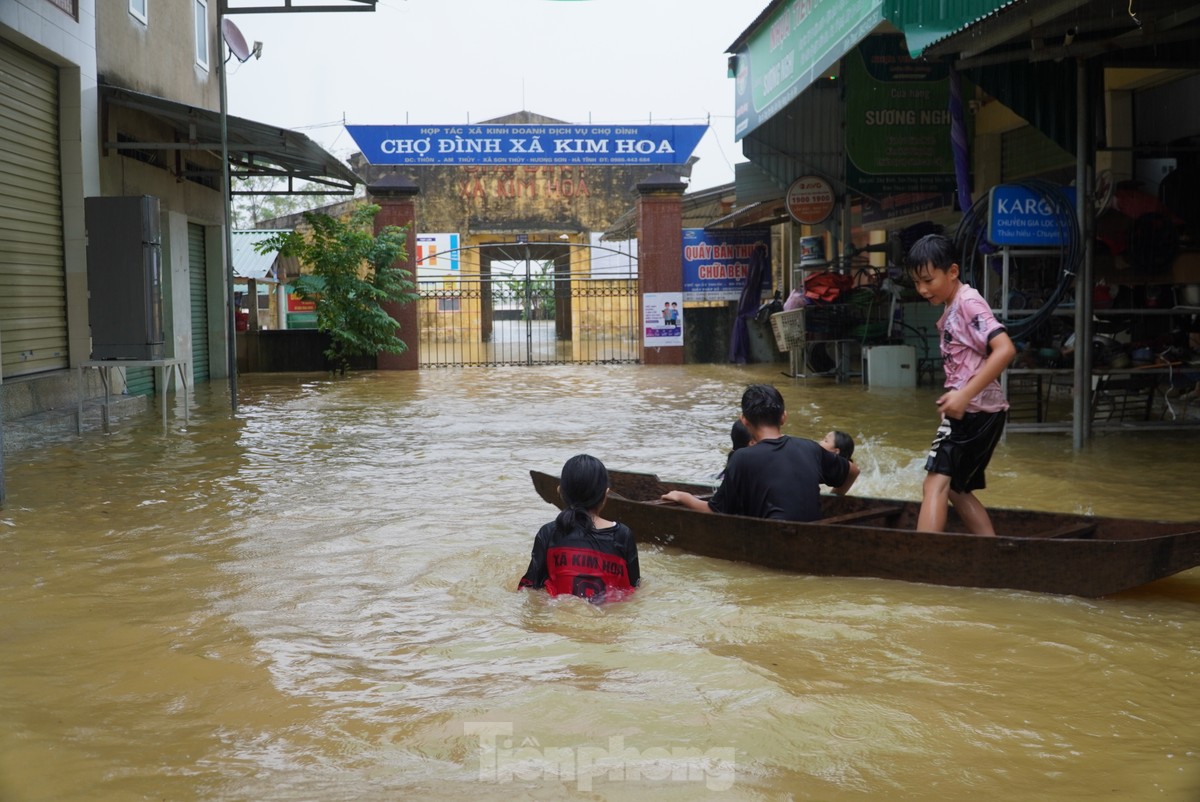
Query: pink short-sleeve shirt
[[965, 327]]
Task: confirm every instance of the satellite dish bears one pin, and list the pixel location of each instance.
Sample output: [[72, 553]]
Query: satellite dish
[[234, 40]]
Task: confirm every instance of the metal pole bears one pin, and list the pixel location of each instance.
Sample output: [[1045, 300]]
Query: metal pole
[[1081, 427], [231, 322], [1087, 222], [528, 303]]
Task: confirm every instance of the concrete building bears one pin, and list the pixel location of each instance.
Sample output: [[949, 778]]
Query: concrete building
[[914, 112], [107, 99]]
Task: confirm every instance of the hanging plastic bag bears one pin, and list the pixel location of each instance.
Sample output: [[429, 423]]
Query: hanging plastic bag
[[795, 300]]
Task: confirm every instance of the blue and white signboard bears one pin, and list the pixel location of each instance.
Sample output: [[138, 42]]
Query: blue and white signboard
[[526, 144], [1020, 216], [716, 263]]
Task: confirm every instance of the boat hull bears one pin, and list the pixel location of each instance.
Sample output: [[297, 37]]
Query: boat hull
[[1044, 552]]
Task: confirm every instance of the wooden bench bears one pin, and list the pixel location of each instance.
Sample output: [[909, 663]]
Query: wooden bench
[[860, 515]]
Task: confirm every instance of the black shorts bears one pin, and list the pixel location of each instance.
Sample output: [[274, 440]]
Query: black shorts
[[962, 448]]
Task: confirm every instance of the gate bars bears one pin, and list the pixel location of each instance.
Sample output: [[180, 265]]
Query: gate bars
[[530, 303]]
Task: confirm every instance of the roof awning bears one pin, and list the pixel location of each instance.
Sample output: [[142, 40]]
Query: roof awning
[[924, 22], [697, 209], [255, 149], [752, 215], [792, 43], [1050, 31], [248, 263]]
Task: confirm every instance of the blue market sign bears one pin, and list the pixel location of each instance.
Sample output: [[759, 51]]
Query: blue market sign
[[1019, 216], [717, 263], [526, 144]]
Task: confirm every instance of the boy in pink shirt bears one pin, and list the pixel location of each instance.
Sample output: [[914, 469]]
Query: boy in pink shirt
[[975, 350]]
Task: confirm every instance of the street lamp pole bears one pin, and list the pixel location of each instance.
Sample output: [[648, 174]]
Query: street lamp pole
[[226, 192]]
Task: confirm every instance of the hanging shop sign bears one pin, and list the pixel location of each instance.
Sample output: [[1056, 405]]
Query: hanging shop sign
[[897, 121], [791, 48], [526, 144], [717, 263], [1018, 215], [810, 200]]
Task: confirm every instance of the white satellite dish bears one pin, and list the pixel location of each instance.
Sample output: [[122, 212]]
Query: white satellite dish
[[235, 41]]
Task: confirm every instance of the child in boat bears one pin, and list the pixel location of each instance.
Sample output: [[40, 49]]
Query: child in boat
[[839, 443], [975, 349], [739, 436], [579, 552], [781, 476]]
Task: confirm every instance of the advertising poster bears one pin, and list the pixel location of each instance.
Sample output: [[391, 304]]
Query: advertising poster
[[662, 318], [437, 257], [716, 263]]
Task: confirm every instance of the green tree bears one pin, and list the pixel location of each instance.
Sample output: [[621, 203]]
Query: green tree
[[352, 276], [534, 295]]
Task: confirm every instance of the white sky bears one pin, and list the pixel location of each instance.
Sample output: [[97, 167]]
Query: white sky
[[441, 62]]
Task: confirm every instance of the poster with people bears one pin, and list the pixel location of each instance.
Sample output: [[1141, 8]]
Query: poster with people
[[662, 318]]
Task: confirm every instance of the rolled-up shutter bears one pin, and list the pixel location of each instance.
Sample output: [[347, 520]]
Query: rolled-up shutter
[[199, 289], [33, 307]]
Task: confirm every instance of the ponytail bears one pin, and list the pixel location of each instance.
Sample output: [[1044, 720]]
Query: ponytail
[[582, 484], [573, 518]]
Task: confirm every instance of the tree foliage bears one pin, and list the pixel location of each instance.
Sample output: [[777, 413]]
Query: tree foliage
[[352, 276], [534, 295]]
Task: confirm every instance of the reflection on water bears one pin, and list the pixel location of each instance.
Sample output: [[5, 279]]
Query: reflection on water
[[315, 600]]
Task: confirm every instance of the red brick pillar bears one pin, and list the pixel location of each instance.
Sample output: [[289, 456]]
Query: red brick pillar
[[660, 250], [396, 197]]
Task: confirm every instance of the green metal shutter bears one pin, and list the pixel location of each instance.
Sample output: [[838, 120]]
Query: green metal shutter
[[199, 294], [33, 306], [139, 381]]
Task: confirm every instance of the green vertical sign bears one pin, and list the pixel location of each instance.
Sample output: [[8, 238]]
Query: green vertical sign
[[897, 121]]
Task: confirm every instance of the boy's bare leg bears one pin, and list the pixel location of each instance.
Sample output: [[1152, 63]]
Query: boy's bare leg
[[973, 513], [934, 506]]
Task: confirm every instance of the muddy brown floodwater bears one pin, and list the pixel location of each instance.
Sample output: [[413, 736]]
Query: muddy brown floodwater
[[316, 600]]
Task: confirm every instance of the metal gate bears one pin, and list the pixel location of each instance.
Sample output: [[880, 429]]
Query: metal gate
[[534, 303]]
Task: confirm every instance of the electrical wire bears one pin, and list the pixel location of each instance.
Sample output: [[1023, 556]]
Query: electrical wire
[[975, 250]]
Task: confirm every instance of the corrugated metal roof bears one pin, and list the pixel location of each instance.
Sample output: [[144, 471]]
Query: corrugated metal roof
[[924, 22], [699, 208], [254, 148], [248, 262]]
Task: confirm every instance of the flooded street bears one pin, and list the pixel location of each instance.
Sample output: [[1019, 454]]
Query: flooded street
[[316, 600]]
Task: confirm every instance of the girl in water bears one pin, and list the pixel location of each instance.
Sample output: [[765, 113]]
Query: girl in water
[[580, 552], [839, 443]]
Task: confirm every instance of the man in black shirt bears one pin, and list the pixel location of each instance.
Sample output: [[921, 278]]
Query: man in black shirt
[[777, 477]]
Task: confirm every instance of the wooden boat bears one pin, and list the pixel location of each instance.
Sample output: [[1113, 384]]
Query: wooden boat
[[1076, 555]]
